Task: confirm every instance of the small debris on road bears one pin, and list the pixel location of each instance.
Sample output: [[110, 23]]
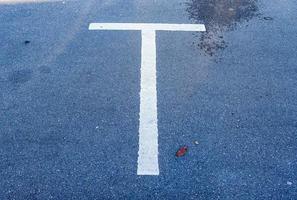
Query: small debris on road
[[289, 183], [196, 142], [267, 18], [27, 42], [182, 151]]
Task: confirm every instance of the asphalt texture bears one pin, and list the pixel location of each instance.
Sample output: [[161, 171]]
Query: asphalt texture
[[69, 100]]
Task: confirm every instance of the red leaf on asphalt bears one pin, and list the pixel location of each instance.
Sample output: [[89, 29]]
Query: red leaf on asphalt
[[182, 151]]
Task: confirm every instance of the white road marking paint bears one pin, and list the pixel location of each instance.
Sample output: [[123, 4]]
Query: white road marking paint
[[148, 121], [147, 26]]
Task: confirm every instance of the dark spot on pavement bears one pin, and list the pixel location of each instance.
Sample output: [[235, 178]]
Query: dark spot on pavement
[[20, 76], [219, 17], [268, 18], [45, 69], [9, 107], [27, 42]]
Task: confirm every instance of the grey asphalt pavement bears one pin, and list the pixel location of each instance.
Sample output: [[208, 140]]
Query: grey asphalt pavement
[[69, 100]]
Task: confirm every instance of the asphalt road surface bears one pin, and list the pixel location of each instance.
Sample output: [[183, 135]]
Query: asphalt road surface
[[70, 100]]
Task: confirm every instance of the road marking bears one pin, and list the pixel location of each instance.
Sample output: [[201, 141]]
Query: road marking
[[147, 26], [148, 121], [148, 117]]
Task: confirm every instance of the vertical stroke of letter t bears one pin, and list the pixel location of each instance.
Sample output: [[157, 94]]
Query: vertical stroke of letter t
[[148, 121]]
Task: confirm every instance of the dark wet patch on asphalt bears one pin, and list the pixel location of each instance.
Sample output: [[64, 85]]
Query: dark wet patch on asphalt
[[20, 76], [219, 16], [44, 69]]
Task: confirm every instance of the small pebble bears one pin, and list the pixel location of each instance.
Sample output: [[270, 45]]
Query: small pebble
[[289, 183], [196, 142]]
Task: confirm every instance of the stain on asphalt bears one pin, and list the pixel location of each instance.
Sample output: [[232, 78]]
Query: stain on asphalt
[[20, 76], [44, 69], [268, 18], [219, 16]]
